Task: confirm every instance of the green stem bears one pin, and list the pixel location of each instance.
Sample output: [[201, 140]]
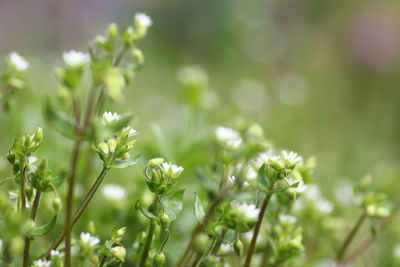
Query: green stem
[[84, 203], [258, 227], [350, 237], [28, 239], [150, 234]]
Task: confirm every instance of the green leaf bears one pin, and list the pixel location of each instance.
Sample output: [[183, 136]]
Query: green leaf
[[145, 212], [262, 178], [60, 121], [199, 209], [172, 203], [44, 229]]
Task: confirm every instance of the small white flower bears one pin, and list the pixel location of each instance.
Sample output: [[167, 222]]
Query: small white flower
[[42, 263], [130, 131], [396, 251], [312, 193], [324, 206], [228, 137], [285, 218], [110, 117], [232, 179], [291, 158], [12, 195], [113, 191], [171, 170], [143, 20], [75, 59], [32, 159], [301, 187], [225, 248], [249, 212], [18, 62], [88, 239]]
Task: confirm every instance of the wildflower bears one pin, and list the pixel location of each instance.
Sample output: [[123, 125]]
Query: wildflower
[[225, 248], [228, 137], [291, 159], [75, 59], [42, 263], [285, 218], [89, 240], [128, 131], [142, 20], [18, 62], [110, 117], [171, 170], [249, 212], [324, 206], [113, 192]]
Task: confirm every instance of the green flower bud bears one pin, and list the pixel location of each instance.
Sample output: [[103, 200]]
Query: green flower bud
[[112, 144], [153, 163], [238, 247], [201, 243], [103, 148], [112, 31], [165, 221], [117, 235], [11, 157], [119, 252], [57, 204], [159, 259], [91, 228], [138, 56], [28, 141], [38, 137]]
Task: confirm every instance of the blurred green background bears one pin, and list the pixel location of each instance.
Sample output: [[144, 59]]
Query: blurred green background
[[321, 77]]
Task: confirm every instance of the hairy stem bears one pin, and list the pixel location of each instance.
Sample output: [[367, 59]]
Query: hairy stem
[[82, 206], [150, 234], [350, 237], [258, 227], [28, 239]]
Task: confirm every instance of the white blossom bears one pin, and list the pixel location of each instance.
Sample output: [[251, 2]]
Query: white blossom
[[88, 239], [75, 59], [143, 20], [247, 212], [171, 170], [18, 62], [110, 117], [291, 158], [129, 130], [228, 137], [42, 263], [113, 191], [324, 206], [285, 218]]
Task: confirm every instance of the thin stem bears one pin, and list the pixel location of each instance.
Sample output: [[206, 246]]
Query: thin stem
[[150, 234], [200, 227], [258, 227], [28, 239], [103, 260], [368, 241], [22, 189], [84, 203], [6, 180], [350, 237]]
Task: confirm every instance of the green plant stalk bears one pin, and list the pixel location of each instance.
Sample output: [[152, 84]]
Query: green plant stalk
[[22, 189], [350, 237], [200, 228], [150, 234], [27, 238], [84, 203], [257, 228]]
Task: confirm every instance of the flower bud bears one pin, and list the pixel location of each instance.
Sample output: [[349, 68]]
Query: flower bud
[[165, 221], [153, 163], [119, 252], [11, 157], [112, 31], [38, 137], [201, 243], [103, 148], [112, 144], [91, 228], [159, 259], [238, 247], [138, 56], [57, 204]]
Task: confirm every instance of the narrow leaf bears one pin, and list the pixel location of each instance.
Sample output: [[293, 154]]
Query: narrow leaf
[[145, 212], [199, 209], [44, 229], [60, 121]]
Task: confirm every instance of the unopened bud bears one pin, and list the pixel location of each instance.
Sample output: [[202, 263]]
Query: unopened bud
[[238, 247], [38, 135], [153, 163], [159, 259], [165, 221], [103, 148], [112, 31], [57, 204]]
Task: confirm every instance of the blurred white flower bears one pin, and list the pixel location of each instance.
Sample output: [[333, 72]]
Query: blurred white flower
[[110, 117], [245, 211], [285, 218], [143, 20], [12, 195], [225, 248], [32, 159], [129, 131], [324, 206], [312, 192], [114, 192], [18, 62], [291, 158], [42, 263], [228, 137], [75, 59], [396, 251], [88, 239]]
